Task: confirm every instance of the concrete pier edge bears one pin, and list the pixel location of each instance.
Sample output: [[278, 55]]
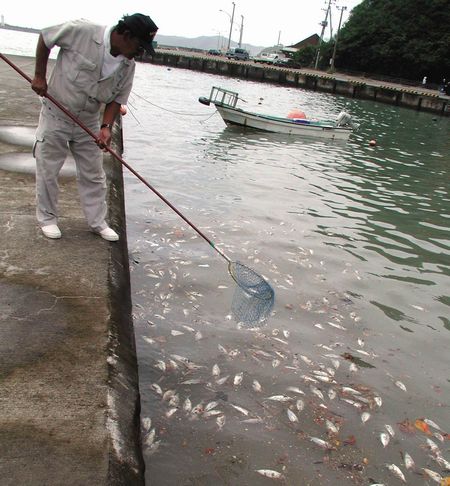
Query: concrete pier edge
[[126, 465]]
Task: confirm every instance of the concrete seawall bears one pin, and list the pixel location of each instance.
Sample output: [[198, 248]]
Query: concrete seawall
[[338, 83], [69, 399]]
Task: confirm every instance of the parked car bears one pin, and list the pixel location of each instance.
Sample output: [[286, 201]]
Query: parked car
[[230, 54], [288, 63], [266, 58], [214, 52], [241, 54]]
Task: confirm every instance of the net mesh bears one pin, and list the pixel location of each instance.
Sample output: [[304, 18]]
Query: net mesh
[[253, 297]]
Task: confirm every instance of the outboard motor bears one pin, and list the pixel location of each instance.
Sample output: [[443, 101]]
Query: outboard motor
[[344, 119]]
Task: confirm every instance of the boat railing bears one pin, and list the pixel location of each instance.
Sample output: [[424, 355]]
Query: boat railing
[[223, 97]]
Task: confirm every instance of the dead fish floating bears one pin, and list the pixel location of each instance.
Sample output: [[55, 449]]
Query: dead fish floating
[[396, 471], [270, 473]]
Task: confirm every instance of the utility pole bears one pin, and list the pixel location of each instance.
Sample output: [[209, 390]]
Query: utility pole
[[279, 36], [242, 28], [324, 25], [231, 25], [337, 37]]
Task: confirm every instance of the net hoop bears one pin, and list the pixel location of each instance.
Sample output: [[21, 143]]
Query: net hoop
[[251, 282]]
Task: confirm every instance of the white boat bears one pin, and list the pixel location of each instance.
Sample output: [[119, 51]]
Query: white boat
[[225, 101]]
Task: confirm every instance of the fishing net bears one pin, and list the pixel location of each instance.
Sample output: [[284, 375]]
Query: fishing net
[[253, 297]]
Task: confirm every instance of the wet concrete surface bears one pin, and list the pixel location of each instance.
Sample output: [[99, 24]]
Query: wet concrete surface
[[69, 403]]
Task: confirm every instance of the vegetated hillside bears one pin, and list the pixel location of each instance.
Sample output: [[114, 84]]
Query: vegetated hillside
[[401, 38]]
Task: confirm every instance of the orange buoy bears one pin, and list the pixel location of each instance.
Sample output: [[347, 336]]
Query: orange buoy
[[372, 142], [123, 110], [296, 114]]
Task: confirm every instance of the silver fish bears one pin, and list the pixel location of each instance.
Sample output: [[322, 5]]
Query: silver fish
[[352, 402], [156, 388], [347, 389], [174, 401], [337, 326], [432, 475], [331, 427], [160, 365], [216, 370], [193, 381], [317, 392], [240, 409], [167, 395], [385, 438], [321, 443], [365, 416], [197, 409], [222, 380], [150, 437], [269, 473], [378, 401], [390, 430], [238, 379], [306, 360], [433, 447], [256, 385], [336, 363], [353, 368], [170, 412], [255, 420], [187, 405], [442, 462], [331, 394], [295, 389], [209, 406], [396, 471], [300, 404], [309, 379], [408, 460], [220, 421], [291, 415], [212, 413], [279, 398], [432, 424], [146, 423], [400, 385]]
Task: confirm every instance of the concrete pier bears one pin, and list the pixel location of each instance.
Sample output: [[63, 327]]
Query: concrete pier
[[69, 401], [418, 98]]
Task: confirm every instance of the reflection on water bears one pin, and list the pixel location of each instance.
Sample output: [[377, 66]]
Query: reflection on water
[[354, 240]]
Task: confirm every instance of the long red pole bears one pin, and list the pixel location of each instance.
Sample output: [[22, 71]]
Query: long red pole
[[119, 158]]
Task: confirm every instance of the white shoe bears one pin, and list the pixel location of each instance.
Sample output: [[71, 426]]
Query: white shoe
[[51, 231], [108, 234]]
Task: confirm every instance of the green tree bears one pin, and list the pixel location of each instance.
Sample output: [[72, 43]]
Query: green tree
[[401, 38], [305, 56]]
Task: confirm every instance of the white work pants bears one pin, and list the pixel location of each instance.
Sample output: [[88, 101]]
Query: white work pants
[[56, 135]]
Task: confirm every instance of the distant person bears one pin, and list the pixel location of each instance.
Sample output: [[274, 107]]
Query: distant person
[[94, 68], [447, 88], [424, 81]]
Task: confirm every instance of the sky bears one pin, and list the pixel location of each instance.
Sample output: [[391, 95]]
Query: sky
[[264, 23]]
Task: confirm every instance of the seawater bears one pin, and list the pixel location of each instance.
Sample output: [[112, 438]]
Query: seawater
[[355, 241]]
